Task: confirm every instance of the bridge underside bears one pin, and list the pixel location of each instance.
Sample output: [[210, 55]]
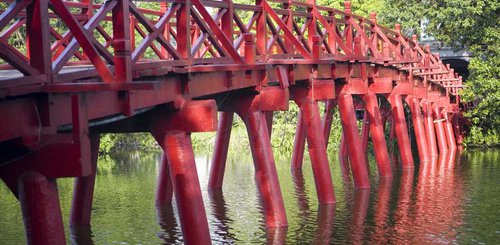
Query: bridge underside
[[210, 62]]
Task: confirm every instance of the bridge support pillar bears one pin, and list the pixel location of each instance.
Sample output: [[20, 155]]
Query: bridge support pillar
[[164, 187], [351, 136], [457, 127], [83, 191], [450, 135], [41, 210], [178, 149], [343, 157], [401, 130], [440, 132], [172, 130], [429, 129], [317, 150], [378, 135], [223, 136], [299, 143], [328, 119], [418, 126], [365, 134], [266, 175], [256, 110]]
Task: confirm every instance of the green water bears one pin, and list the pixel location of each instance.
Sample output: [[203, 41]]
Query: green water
[[454, 200]]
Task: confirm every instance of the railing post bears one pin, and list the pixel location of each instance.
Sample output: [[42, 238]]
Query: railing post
[[183, 28], [38, 37], [121, 42], [261, 31]]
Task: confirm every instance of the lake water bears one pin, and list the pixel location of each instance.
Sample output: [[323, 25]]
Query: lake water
[[453, 200]]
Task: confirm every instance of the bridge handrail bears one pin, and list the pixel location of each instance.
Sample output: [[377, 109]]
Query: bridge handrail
[[337, 35]]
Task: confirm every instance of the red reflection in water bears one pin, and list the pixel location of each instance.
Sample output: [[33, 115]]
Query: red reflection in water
[[434, 214], [360, 209], [382, 211], [276, 236], [325, 220]]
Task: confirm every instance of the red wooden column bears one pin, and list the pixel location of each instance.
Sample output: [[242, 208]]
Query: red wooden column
[[299, 143], [269, 121], [121, 42], [365, 133], [220, 150], [429, 128], [317, 151], [41, 211], [38, 36], [164, 187], [252, 109], [172, 130], [328, 119], [83, 191], [343, 157], [378, 135], [223, 136], [351, 136], [450, 135], [418, 126], [179, 151], [440, 132], [306, 95], [266, 175], [401, 130]]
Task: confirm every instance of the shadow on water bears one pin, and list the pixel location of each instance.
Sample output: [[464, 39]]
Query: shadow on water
[[451, 199]]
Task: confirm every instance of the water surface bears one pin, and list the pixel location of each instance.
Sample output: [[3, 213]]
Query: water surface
[[453, 200]]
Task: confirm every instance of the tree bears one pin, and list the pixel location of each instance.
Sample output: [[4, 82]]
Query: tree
[[475, 25]]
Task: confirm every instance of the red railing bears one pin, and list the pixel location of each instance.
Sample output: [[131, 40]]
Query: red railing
[[114, 38]]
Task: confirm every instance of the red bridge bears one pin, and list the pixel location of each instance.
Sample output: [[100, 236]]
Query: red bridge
[[168, 67]]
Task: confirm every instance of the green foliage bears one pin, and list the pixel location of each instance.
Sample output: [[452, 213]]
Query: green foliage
[[470, 24], [119, 142]]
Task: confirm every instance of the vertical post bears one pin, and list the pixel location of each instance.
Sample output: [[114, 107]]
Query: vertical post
[[164, 187], [351, 136], [299, 143], [38, 38], [440, 133], [269, 121], [220, 150], [166, 31], [121, 42], [343, 158], [429, 129], [365, 131], [179, 151], [261, 31], [418, 127], [401, 130], [41, 211], [183, 29], [450, 135], [289, 24], [378, 135], [328, 119], [265, 169], [317, 151], [83, 191]]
